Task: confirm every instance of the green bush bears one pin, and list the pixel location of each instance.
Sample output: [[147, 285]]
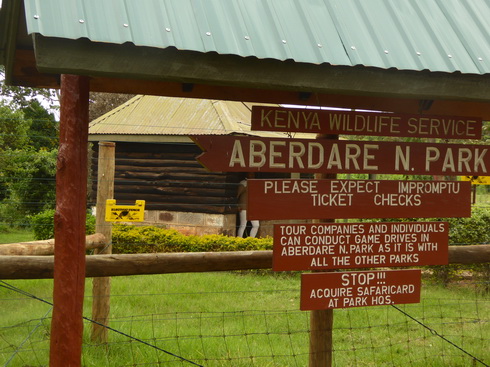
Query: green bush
[[472, 230], [462, 231], [130, 239], [43, 224]]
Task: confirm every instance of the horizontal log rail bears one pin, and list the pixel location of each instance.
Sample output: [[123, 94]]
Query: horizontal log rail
[[41, 267], [46, 247]]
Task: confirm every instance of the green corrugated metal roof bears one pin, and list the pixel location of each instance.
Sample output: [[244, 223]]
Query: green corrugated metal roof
[[152, 115], [435, 35]]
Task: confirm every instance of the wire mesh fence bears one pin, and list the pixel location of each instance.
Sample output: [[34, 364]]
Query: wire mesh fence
[[249, 319]]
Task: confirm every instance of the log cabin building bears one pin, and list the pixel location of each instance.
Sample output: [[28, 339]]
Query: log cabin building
[[156, 161]]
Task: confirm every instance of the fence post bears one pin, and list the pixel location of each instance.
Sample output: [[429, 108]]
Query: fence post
[[69, 224], [101, 287], [321, 321]]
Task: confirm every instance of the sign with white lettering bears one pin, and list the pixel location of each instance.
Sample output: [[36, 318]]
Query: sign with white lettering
[[251, 154], [321, 291], [322, 246], [267, 118], [331, 199]]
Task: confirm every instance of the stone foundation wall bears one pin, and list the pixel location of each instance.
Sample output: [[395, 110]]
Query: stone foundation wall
[[202, 223], [192, 223]]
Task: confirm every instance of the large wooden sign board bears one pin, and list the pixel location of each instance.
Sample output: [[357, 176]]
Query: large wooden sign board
[[331, 199], [265, 118], [321, 291], [322, 246], [250, 154]]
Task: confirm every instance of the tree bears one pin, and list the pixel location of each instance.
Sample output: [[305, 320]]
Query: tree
[[28, 150], [101, 103], [20, 97]]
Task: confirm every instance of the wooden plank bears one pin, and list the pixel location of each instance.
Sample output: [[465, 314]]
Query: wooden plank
[[251, 154], [266, 118], [322, 246], [183, 199], [321, 291], [307, 199], [169, 190], [55, 55]]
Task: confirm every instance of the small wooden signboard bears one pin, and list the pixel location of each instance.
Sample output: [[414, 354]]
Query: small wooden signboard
[[321, 291], [267, 118], [322, 246], [331, 199]]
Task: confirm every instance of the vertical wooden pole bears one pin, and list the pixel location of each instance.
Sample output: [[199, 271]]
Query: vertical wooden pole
[[321, 341], [101, 289], [321, 321], [69, 224]]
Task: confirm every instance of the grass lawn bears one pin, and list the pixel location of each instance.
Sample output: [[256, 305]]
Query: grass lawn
[[248, 319], [13, 235]]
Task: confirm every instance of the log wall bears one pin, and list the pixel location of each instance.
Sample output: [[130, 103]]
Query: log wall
[[168, 177]]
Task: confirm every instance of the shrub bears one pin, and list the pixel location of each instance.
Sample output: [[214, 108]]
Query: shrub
[[143, 239], [43, 224]]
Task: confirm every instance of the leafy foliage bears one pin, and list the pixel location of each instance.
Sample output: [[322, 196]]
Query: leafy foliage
[[28, 182], [43, 224], [150, 239], [28, 151], [18, 98]]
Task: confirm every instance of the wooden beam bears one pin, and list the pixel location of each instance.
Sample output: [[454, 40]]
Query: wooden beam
[[274, 96], [69, 224], [41, 267], [56, 55], [46, 247], [25, 73]]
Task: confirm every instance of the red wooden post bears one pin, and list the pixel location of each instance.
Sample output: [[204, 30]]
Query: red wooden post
[[69, 226], [321, 321]]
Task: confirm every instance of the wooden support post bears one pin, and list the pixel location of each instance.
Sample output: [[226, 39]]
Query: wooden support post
[[69, 224], [101, 289], [321, 321]]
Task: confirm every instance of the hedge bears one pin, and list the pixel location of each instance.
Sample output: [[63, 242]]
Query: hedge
[[142, 239], [130, 239]]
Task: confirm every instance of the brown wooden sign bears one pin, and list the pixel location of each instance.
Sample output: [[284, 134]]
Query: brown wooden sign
[[322, 246], [321, 291], [266, 118], [251, 154], [331, 199]]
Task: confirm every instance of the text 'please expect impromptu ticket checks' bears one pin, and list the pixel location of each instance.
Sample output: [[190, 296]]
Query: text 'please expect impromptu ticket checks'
[[331, 199], [250, 154], [322, 246], [320, 291]]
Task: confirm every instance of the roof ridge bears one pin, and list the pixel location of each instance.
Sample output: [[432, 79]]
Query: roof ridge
[[108, 114]]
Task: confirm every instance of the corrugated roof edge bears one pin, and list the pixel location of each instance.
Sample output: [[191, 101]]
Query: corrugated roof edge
[[115, 110]]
